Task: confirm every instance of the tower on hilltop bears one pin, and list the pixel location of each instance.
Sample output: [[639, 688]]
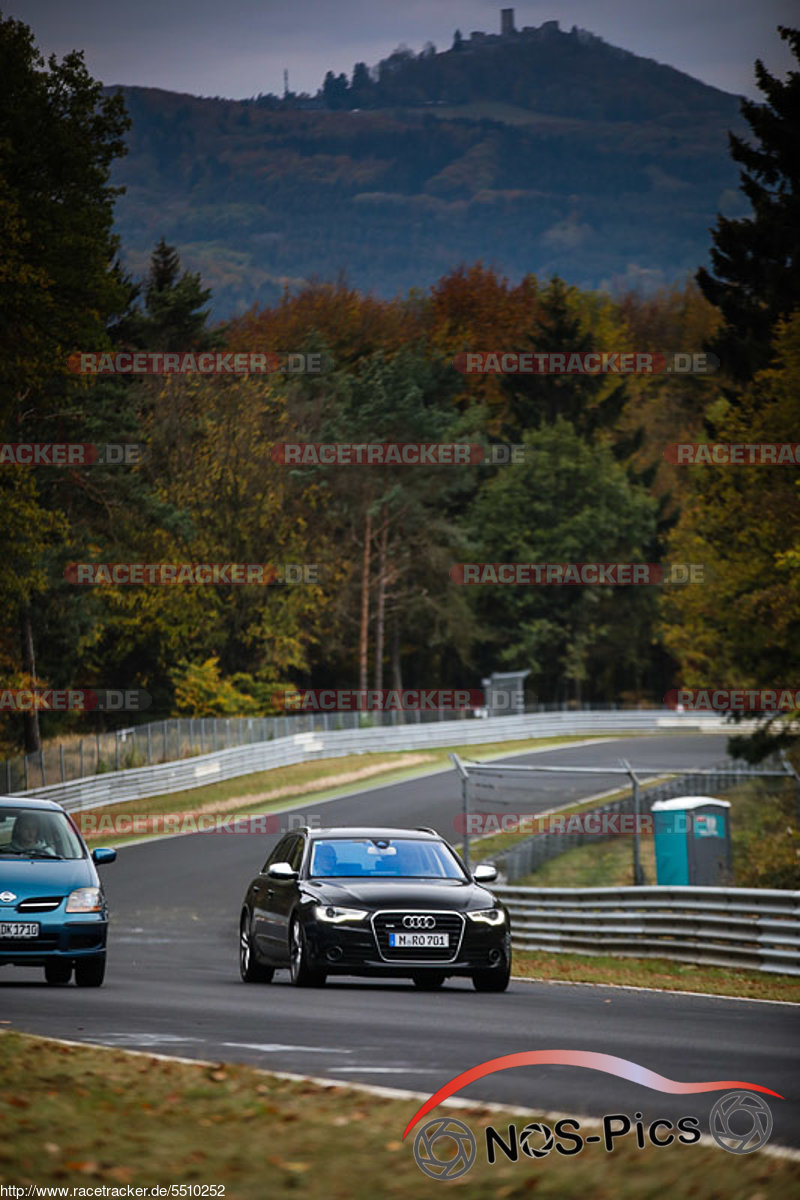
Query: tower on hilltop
[[507, 22]]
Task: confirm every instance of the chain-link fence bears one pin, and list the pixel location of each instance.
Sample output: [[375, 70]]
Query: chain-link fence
[[499, 790]]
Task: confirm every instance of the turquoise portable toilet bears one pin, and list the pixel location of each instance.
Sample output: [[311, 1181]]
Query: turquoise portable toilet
[[692, 841]]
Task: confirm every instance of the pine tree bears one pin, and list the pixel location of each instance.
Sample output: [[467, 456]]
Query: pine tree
[[756, 260]]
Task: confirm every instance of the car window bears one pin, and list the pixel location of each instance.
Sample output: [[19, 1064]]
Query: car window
[[405, 858], [37, 833], [295, 853], [278, 854]]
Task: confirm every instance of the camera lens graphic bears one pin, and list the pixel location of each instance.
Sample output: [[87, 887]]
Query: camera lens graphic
[[447, 1131], [529, 1133], [740, 1122]]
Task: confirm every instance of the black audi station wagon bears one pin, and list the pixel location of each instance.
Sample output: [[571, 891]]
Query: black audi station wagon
[[373, 902]]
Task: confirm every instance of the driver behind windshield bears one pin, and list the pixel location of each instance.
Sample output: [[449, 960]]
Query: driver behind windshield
[[27, 836]]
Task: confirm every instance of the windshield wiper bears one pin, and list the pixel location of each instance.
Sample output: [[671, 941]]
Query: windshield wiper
[[32, 853]]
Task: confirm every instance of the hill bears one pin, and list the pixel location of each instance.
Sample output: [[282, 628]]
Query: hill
[[556, 155]]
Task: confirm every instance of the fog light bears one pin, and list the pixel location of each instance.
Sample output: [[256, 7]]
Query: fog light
[[334, 953], [494, 957]]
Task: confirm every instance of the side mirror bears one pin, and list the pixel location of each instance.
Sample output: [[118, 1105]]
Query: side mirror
[[485, 873], [282, 871], [103, 855]]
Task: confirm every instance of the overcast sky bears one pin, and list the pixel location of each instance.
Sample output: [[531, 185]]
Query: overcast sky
[[237, 48]]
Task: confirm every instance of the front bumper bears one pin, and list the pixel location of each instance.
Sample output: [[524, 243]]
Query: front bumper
[[353, 950], [60, 937]]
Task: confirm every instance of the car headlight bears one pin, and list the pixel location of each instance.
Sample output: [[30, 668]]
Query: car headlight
[[89, 899], [332, 915], [488, 916]]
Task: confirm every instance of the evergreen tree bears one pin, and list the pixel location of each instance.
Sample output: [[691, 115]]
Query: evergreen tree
[[756, 260]]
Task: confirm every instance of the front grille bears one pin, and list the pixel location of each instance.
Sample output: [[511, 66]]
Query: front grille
[[40, 904], [451, 923]]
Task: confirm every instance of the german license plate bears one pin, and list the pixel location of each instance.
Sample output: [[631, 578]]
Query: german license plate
[[419, 941], [19, 929]]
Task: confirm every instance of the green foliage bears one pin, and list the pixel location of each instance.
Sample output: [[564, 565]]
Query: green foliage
[[764, 837], [568, 502]]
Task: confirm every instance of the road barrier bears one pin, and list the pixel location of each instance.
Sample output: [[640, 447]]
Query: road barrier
[[139, 783], [753, 928]]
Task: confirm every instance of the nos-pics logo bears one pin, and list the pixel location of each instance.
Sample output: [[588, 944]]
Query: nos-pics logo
[[445, 1148]]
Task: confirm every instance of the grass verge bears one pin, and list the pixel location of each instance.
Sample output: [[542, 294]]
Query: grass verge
[[86, 1117], [655, 973]]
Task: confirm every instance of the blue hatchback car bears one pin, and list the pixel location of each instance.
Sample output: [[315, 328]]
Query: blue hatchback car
[[53, 912]]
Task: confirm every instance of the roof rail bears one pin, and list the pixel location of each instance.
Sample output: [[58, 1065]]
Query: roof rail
[[426, 829]]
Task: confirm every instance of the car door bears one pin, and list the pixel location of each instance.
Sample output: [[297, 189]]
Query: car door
[[263, 900]]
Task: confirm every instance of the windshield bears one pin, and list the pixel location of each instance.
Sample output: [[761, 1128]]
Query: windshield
[[404, 858], [37, 833]]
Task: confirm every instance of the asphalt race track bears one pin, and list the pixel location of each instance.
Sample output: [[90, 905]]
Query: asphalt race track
[[173, 986]]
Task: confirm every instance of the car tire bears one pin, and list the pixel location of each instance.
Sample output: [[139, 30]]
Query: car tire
[[301, 973], [90, 972], [58, 971], [428, 982], [491, 981], [250, 969]]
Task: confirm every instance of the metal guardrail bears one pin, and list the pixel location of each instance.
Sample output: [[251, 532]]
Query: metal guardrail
[[753, 928], [138, 783]]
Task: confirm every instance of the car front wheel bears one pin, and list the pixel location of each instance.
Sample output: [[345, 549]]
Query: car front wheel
[[58, 971], [491, 981], [250, 969], [428, 982], [90, 972], [301, 973]]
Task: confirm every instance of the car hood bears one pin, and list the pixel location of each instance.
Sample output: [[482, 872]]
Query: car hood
[[29, 877], [452, 894]]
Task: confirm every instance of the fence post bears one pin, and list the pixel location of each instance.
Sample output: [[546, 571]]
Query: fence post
[[638, 874], [25, 765], [116, 749], [41, 767], [61, 759], [459, 766], [83, 772]]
